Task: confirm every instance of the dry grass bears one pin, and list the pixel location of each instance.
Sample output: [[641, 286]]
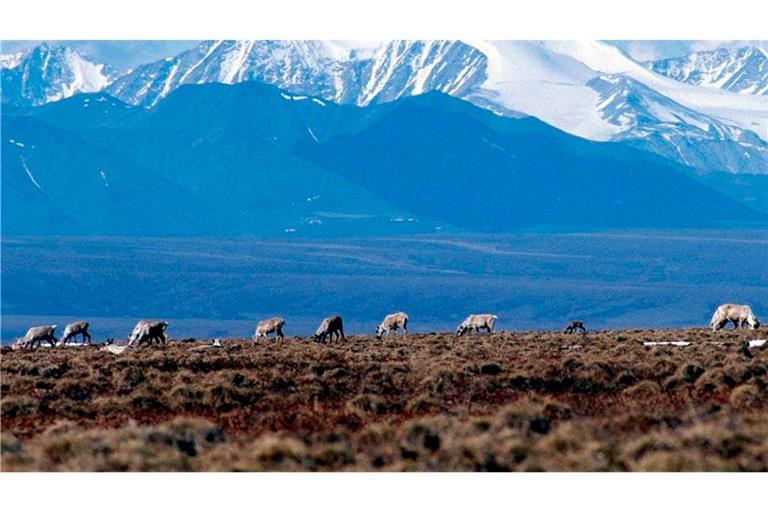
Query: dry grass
[[511, 401]]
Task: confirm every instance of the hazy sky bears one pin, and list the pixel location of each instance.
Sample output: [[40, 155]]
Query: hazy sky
[[118, 54], [651, 50], [128, 54]]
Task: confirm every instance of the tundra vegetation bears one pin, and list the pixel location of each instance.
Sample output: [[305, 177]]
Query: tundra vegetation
[[523, 401]]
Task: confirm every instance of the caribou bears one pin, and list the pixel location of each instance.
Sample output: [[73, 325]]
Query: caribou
[[272, 325], [575, 326], [476, 322], [393, 322], [37, 335], [738, 314], [72, 330], [148, 331], [330, 326]]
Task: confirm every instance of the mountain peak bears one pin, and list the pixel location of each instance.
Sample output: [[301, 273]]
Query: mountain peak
[[325, 69], [740, 70], [48, 73]]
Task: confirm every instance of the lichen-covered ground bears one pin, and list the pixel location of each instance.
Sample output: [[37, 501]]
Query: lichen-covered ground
[[509, 401]]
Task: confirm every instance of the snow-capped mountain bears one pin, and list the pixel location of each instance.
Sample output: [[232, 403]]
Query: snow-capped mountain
[[316, 68], [653, 121], [744, 111], [741, 70], [304, 67], [405, 68], [585, 88], [568, 84], [49, 73]]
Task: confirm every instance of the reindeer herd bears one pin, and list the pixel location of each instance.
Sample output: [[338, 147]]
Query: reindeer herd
[[153, 331]]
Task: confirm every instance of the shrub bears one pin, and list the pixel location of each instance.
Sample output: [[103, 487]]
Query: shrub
[[643, 390], [18, 406], [746, 396], [368, 404], [690, 372]]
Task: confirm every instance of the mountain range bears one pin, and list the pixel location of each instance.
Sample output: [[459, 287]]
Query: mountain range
[[249, 158], [707, 110], [310, 137]]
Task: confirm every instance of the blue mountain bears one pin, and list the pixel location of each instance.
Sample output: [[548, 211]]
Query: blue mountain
[[252, 159]]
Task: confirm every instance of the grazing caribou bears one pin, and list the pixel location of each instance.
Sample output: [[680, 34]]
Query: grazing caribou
[[330, 326], [476, 322], [72, 330], [37, 335], [148, 331], [575, 326], [738, 314], [393, 322], [272, 325]]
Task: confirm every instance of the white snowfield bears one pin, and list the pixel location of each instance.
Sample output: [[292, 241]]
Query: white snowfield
[[87, 76], [662, 343], [525, 76], [536, 77], [751, 343]]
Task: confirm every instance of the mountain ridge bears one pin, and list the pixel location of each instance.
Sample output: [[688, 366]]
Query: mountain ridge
[[251, 159], [47, 73], [512, 78], [742, 70]]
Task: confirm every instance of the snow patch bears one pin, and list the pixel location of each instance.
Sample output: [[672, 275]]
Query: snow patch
[[312, 134], [292, 97], [661, 343], [10, 60], [29, 173]]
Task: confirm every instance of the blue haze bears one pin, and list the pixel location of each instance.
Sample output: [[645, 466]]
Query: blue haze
[[217, 287]]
